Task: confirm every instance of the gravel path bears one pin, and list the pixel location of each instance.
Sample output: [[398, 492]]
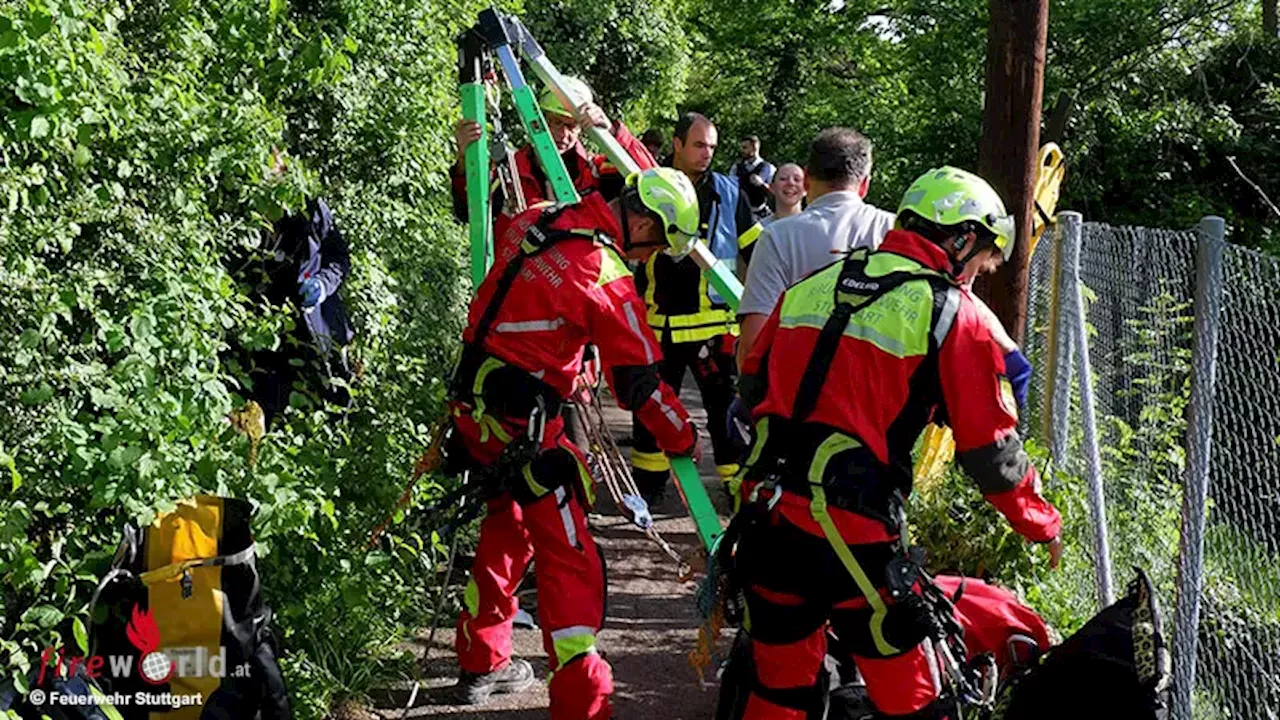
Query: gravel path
[[651, 626]]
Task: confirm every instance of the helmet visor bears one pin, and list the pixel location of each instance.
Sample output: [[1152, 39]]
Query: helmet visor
[[1005, 232], [681, 242]]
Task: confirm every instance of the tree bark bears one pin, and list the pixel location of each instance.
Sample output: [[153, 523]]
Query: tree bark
[[1269, 24], [1056, 129], [1016, 38]]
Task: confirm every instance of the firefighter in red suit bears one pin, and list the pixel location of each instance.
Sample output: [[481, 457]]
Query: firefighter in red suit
[[851, 365], [587, 170], [559, 281]]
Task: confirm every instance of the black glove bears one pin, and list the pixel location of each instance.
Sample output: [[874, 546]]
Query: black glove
[[738, 424]]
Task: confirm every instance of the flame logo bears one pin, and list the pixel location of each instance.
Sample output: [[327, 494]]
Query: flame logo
[[155, 667], [142, 631]]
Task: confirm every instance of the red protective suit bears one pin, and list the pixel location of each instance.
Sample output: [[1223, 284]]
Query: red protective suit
[[915, 348], [574, 290], [589, 171]]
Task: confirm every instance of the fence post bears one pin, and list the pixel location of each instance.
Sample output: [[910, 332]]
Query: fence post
[[1058, 377], [1195, 493], [1072, 293]]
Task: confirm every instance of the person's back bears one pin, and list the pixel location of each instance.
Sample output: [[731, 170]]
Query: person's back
[[836, 221], [918, 348], [547, 315], [845, 373], [821, 234]]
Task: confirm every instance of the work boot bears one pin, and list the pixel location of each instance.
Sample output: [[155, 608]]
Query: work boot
[[477, 688], [653, 488]]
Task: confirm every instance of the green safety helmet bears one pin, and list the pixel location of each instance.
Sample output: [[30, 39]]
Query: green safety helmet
[[550, 102], [669, 194], [949, 196]]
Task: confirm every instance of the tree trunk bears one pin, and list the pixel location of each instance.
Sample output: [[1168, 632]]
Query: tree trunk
[[1269, 17], [1056, 129], [1016, 40]]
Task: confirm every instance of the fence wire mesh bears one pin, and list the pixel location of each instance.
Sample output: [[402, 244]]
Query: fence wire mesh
[[1038, 332], [1139, 287], [1239, 635]]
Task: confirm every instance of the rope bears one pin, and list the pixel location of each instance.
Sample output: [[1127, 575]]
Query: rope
[[615, 474], [430, 461]]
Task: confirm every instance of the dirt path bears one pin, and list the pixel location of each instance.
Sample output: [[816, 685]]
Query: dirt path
[[651, 625]]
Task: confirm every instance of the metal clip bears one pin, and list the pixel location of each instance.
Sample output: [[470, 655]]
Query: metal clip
[[188, 586], [775, 494], [537, 423]]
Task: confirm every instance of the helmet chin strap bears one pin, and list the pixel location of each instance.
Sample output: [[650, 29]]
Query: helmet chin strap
[[627, 245], [957, 243]]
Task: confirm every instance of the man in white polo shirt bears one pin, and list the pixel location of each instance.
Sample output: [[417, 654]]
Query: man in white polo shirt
[[835, 221]]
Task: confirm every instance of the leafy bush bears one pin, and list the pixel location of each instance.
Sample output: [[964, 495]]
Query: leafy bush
[[136, 145], [963, 534]]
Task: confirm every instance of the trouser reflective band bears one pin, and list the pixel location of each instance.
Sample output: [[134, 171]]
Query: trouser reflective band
[[573, 641], [566, 516], [735, 484], [588, 484], [818, 508], [650, 461]]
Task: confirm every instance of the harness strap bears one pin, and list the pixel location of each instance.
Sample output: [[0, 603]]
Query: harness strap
[[169, 572], [855, 290], [543, 238], [538, 238]]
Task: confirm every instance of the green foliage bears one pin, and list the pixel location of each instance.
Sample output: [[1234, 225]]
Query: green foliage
[[1166, 92], [907, 74], [963, 534], [135, 148], [635, 54]]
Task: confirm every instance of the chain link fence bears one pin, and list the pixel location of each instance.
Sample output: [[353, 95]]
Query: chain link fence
[[1239, 630], [1138, 289]]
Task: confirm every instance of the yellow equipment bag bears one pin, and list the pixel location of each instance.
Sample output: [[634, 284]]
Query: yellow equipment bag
[[181, 607], [1051, 168]]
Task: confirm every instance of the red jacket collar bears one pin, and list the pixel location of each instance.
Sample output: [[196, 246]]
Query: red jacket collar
[[911, 245], [592, 213]]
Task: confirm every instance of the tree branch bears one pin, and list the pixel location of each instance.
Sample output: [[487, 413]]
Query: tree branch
[[1231, 159], [1147, 52]]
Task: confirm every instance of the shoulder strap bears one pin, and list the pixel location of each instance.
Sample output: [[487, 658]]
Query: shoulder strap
[[946, 308], [855, 290]]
